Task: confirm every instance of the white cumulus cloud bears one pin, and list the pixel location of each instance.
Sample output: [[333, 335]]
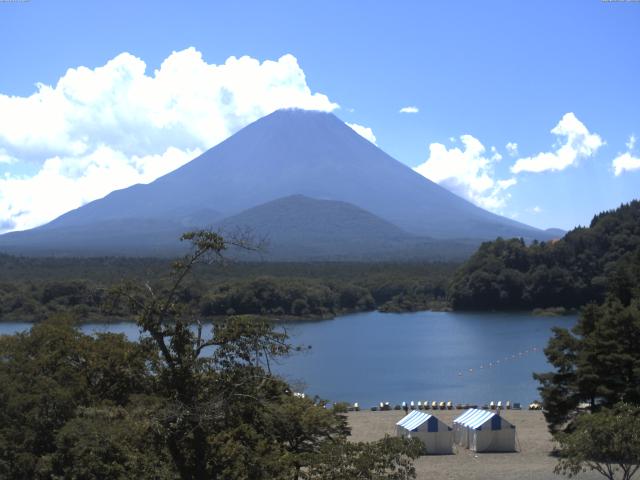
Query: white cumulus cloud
[[467, 171], [632, 142], [495, 155], [626, 161], [512, 149], [577, 142], [64, 183], [365, 132], [106, 128], [409, 109]]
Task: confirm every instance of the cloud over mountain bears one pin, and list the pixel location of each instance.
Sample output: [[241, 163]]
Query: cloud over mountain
[[467, 171], [364, 132], [109, 127], [470, 171]]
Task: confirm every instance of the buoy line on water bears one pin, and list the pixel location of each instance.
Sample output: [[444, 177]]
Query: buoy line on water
[[496, 363]]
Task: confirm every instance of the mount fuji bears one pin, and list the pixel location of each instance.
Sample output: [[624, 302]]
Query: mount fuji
[[303, 178]]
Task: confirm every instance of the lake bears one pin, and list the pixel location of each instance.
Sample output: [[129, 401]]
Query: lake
[[372, 357]]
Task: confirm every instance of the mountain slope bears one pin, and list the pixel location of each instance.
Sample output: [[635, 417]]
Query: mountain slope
[[293, 228], [286, 153], [112, 237], [297, 215], [299, 227]]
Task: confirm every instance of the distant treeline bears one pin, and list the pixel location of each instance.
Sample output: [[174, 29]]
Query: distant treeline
[[31, 289], [571, 272], [503, 274]]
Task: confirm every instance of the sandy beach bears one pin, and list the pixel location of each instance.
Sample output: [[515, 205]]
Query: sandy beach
[[532, 461]]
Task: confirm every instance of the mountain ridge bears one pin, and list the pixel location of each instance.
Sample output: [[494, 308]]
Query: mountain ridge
[[293, 228]]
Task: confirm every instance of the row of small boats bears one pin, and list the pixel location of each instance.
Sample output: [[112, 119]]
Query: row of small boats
[[420, 405], [441, 405]]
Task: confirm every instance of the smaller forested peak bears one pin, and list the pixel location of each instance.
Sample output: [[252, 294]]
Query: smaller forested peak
[[581, 267]]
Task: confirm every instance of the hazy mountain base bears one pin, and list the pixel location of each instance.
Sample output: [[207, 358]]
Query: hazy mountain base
[[294, 228]]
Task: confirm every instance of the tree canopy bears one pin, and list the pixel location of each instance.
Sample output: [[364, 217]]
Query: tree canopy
[[569, 272], [606, 442], [32, 289], [189, 400], [597, 362], [591, 399]]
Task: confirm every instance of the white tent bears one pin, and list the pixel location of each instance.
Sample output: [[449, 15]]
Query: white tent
[[436, 436], [460, 436], [484, 431]]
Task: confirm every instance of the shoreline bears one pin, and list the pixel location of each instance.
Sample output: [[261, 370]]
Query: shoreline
[[312, 317]]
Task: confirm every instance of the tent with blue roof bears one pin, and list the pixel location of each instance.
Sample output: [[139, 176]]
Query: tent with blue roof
[[484, 431], [436, 436], [460, 433]]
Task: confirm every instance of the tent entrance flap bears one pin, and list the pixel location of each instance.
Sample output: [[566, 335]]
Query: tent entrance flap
[[436, 436], [484, 431]]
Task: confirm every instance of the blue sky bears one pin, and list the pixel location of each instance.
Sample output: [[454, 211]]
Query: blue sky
[[481, 75]]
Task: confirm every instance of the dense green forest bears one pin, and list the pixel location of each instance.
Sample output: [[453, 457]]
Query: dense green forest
[[32, 289], [76, 406], [79, 406], [570, 272], [591, 398], [101, 407], [503, 274]]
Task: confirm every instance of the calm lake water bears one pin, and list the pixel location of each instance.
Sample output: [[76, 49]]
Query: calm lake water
[[372, 357]]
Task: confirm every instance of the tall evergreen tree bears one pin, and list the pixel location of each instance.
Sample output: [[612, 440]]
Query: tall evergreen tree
[[597, 362]]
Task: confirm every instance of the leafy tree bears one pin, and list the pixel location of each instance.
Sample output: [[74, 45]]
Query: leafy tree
[[305, 427], [202, 421], [107, 442], [226, 415], [598, 362], [607, 442], [569, 272], [181, 403], [47, 374], [390, 458]]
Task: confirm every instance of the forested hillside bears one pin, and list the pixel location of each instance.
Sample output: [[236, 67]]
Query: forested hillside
[[32, 289], [570, 272]]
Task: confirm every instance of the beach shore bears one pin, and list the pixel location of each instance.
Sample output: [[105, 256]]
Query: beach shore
[[531, 462]]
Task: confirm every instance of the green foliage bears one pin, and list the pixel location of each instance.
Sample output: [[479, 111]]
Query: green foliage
[[50, 372], [284, 297], [107, 442], [389, 458], [570, 272], [32, 289], [181, 403], [598, 362], [300, 423], [607, 442]]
